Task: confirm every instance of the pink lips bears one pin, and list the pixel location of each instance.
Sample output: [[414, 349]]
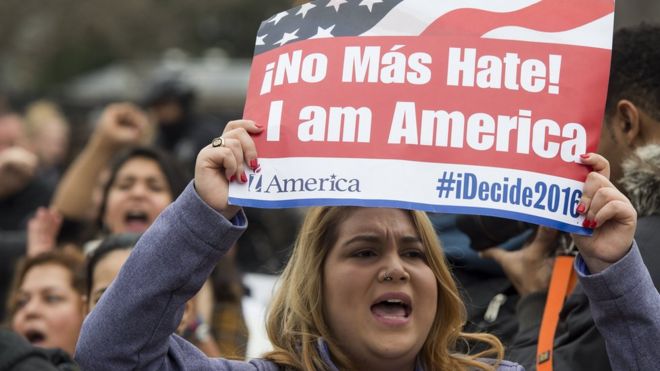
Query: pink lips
[[136, 226], [392, 309], [136, 221]]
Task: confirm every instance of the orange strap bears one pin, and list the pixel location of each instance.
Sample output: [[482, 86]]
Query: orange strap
[[562, 284]]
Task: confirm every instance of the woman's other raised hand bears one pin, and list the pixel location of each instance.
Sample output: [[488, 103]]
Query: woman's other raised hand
[[224, 161], [609, 213]]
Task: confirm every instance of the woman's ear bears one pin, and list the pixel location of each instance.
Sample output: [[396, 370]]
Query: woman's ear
[[628, 121], [85, 305]]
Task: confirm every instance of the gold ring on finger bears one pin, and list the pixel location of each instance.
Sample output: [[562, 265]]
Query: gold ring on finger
[[218, 142]]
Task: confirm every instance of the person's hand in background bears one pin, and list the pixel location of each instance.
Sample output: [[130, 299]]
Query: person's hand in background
[[529, 269], [17, 168], [42, 231]]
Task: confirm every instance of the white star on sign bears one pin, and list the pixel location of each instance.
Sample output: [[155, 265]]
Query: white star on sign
[[322, 33], [370, 3], [260, 40], [305, 8], [336, 4], [288, 37], [278, 17]]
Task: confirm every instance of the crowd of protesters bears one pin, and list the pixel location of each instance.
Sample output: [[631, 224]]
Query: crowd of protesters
[[102, 268]]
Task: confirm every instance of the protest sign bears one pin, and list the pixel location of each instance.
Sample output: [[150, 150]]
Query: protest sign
[[478, 107]]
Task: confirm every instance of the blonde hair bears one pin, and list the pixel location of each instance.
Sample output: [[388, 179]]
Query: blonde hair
[[296, 322], [41, 114]]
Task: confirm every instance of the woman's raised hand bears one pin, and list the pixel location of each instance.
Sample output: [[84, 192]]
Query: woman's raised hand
[[121, 125], [42, 231], [224, 161], [609, 213]]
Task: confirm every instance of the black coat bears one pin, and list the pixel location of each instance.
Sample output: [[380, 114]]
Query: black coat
[[578, 344], [16, 354]]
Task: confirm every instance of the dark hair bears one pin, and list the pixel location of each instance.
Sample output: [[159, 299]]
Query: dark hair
[[488, 231], [168, 165], [71, 261], [121, 241], [171, 89], [634, 71]]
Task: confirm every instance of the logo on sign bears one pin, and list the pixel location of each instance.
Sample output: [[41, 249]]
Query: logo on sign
[[275, 184]]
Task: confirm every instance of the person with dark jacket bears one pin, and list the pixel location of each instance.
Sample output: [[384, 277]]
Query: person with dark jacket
[[179, 129], [641, 183], [16, 354], [632, 120]]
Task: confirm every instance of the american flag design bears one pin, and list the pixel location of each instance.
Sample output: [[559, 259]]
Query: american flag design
[[550, 21]]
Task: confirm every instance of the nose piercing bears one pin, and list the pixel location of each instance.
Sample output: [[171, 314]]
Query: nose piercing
[[387, 277]]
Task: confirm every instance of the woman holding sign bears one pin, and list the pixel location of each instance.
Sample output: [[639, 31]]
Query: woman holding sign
[[365, 288]]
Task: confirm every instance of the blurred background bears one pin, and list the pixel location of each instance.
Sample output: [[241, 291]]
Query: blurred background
[[84, 54]]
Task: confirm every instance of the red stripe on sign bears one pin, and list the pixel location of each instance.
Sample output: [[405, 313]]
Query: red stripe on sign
[[546, 16]]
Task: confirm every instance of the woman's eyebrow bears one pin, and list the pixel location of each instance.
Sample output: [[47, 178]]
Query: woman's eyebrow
[[126, 178], [363, 238], [21, 292], [155, 180], [374, 238], [51, 289]]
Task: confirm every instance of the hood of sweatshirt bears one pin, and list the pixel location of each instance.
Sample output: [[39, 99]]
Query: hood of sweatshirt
[[641, 179]]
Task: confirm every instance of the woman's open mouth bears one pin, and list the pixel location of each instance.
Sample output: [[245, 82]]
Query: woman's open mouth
[[136, 221], [35, 337], [392, 309]]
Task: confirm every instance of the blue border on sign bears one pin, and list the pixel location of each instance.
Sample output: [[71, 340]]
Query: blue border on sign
[[279, 204]]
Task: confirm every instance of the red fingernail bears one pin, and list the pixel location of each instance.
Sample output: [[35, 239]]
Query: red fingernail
[[232, 178], [243, 177], [593, 225], [584, 156], [581, 208], [586, 223], [257, 170], [254, 164]]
